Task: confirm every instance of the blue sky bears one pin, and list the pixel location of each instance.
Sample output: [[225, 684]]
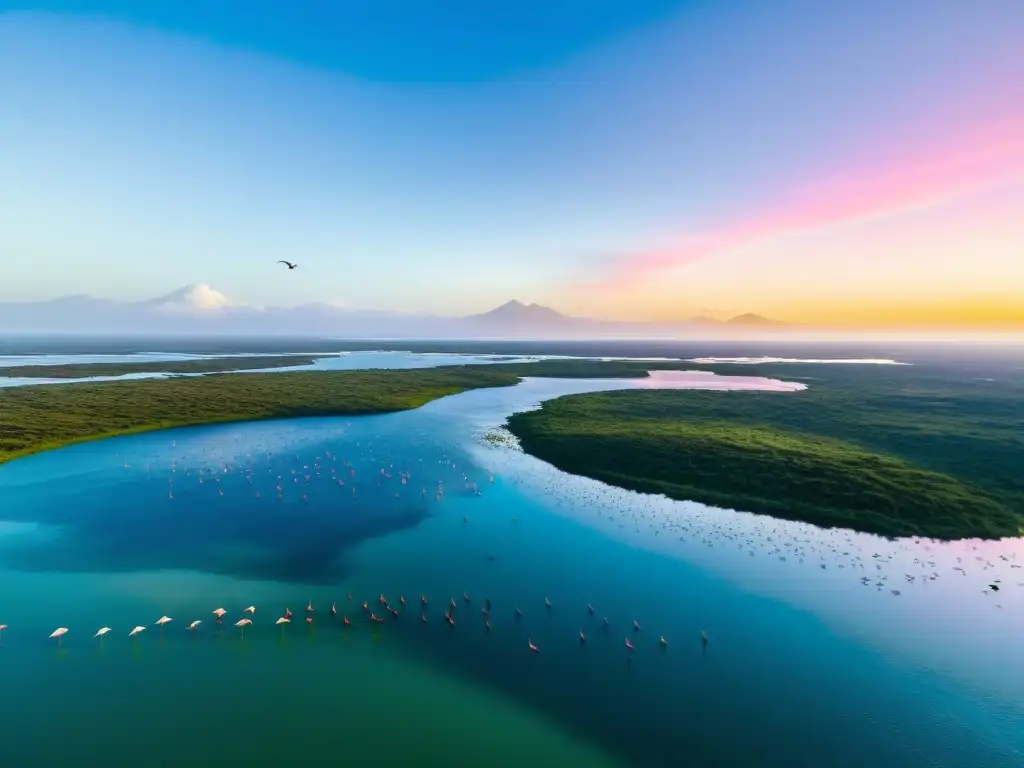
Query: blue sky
[[432, 156]]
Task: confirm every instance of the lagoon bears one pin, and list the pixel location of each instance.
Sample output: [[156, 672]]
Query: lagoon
[[805, 665]]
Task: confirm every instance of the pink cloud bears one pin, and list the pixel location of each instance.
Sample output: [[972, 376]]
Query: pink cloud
[[976, 162]]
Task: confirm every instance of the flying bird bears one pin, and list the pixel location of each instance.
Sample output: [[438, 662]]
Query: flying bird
[[288, 264]]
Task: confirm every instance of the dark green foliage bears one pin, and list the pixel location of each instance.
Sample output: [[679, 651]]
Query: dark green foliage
[[894, 451], [36, 418], [891, 450], [209, 365]]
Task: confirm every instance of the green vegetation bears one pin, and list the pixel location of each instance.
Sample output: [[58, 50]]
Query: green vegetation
[[209, 365], [890, 450], [893, 451], [36, 418]]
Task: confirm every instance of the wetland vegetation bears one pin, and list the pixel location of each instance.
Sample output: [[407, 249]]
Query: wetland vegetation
[[894, 450], [891, 450], [204, 365]]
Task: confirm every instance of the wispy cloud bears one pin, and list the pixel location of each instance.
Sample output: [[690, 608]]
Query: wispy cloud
[[981, 160]]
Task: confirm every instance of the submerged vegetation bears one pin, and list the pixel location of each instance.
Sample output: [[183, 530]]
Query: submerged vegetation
[[894, 450], [205, 365], [888, 450]]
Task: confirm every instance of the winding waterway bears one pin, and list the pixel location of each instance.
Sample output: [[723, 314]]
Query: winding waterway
[[824, 647]]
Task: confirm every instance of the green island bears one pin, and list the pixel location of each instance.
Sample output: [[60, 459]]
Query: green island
[[879, 449], [205, 365], [891, 450]]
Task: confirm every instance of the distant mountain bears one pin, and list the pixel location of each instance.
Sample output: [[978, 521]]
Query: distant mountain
[[515, 314], [751, 319], [199, 309], [192, 298]]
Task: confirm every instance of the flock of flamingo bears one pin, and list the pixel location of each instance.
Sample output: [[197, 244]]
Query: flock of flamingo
[[372, 617]]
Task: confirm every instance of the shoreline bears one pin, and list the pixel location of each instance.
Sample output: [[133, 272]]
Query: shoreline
[[206, 365], [824, 461]]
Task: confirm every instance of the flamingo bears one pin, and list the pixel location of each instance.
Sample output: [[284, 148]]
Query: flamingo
[[136, 631], [193, 625], [282, 621], [346, 622], [334, 609], [547, 603], [590, 609], [219, 613], [242, 624], [309, 606], [59, 633], [629, 645], [160, 623], [533, 647], [2, 628], [583, 638], [287, 613], [309, 619], [662, 641], [100, 633], [704, 640], [251, 610], [636, 627]]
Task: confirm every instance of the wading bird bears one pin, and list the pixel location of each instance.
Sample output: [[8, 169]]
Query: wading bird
[[160, 623], [59, 633], [2, 628], [242, 624], [101, 632], [135, 632]]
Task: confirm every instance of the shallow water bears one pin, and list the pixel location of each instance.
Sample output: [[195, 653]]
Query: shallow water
[[804, 665], [339, 361]]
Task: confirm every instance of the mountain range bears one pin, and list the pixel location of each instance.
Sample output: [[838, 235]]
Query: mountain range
[[202, 309]]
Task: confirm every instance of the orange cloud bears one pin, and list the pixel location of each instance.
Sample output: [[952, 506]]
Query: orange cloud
[[984, 159]]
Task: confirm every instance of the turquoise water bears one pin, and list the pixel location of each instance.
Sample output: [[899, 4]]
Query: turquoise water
[[805, 666]]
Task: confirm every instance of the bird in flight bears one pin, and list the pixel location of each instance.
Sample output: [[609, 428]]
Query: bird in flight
[[288, 264]]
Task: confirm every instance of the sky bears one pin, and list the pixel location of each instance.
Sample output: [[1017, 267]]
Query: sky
[[856, 162]]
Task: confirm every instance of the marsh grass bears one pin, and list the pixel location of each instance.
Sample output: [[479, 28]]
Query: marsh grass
[[893, 451], [882, 449]]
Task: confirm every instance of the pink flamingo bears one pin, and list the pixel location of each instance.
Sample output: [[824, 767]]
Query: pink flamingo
[[242, 624], [2, 628], [346, 622], [533, 647], [59, 633], [629, 645]]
